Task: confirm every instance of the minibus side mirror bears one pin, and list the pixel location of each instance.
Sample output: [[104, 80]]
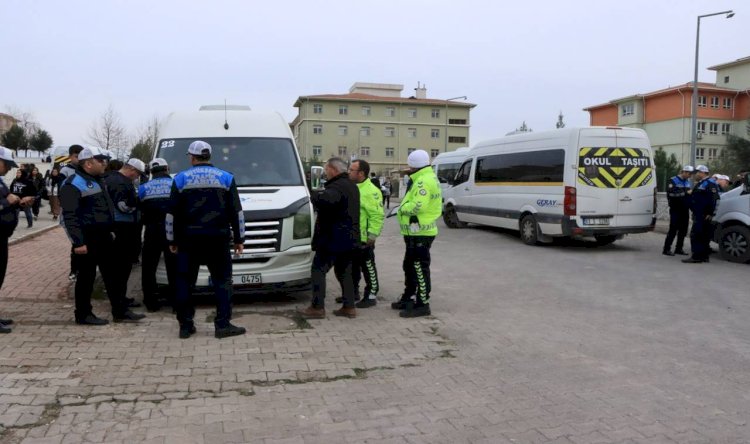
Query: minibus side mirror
[[316, 178]]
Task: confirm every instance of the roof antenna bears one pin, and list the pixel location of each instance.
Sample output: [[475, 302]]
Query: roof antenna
[[226, 124]]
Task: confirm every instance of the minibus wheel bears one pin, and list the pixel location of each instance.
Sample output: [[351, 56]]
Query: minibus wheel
[[529, 230], [451, 218], [734, 244]]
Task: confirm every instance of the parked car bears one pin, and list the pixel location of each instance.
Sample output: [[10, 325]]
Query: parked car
[[732, 224]]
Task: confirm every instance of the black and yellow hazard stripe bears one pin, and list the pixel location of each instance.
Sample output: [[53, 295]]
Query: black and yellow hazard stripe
[[607, 167]]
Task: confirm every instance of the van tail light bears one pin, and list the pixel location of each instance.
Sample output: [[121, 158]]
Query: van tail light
[[569, 204]]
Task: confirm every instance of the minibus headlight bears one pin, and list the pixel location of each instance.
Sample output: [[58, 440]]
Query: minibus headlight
[[302, 228]]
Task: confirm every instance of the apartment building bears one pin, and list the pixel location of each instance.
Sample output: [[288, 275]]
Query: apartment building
[[723, 108], [374, 123]]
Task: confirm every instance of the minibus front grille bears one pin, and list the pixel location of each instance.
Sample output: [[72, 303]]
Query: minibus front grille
[[262, 236]]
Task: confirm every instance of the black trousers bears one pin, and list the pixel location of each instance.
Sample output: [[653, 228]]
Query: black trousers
[[127, 246], [214, 253], [341, 263], [154, 245], [100, 254], [3, 258], [417, 268], [364, 264], [679, 219], [700, 236], [387, 200]]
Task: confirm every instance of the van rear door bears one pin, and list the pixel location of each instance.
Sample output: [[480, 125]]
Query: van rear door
[[596, 196], [636, 185]]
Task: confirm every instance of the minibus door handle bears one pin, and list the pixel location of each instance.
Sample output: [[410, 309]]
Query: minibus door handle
[[626, 199], [466, 189]]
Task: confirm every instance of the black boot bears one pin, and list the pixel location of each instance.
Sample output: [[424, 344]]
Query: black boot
[[186, 330], [667, 252], [229, 330], [415, 312], [401, 304]]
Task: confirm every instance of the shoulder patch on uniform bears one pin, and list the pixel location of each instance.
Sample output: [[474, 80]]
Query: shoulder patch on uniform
[[423, 192]]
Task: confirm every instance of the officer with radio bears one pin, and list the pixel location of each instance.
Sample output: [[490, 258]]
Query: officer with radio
[[417, 217], [678, 196], [703, 202], [204, 216]]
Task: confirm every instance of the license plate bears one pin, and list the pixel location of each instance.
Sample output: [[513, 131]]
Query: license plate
[[596, 221], [243, 279]]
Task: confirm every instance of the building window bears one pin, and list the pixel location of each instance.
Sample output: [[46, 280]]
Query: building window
[[410, 150], [457, 139], [411, 112], [364, 151], [457, 121], [317, 129], [435, 133], [435, 113], [702, 101], [389, 151], [343, 110], [366, 110], [726, 79], [434, 153], [390, 111], [317, 151], [628, 109], [342, 151], [727, 103], [714, 102], [713, 128], [701, 128], [411, 132], [712, 153], [700, 153], [726, 128], [364, 131], [390, 131], [343, 130], [318, 108]]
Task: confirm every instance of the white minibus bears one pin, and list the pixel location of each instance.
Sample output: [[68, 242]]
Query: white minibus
[[258, 149], [596, 183], [446, 165]]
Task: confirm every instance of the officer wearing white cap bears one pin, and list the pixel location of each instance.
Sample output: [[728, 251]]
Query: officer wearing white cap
[[88, 218], [153, 197], [417, 216], [204, 215], [121, 185], [678, 196], [703, 202], [9, 204]]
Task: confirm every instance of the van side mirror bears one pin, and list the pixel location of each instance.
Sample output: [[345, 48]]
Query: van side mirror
[[442, 179], [316, 178]]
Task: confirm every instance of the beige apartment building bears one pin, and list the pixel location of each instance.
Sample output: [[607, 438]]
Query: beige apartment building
[[374, 123], [6, 121], [665, 115]]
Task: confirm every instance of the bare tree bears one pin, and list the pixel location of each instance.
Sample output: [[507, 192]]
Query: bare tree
[[146, 138], [107, 133]]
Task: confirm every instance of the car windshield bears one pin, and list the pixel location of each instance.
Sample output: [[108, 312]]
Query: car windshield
[[254, 161]]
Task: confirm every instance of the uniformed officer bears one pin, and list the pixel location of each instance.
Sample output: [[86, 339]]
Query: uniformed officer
[[127, 227], [204, 214], [9, 204], [370, 224], [88, 217], [417, 216], [703, 202], [678, 196], [154, 201]]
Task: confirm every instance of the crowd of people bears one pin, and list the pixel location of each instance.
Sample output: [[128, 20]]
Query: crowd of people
[[109, 206]]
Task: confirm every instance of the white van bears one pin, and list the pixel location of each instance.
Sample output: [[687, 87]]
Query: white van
[[446, 165], [732, 224], [593, 182], [258, 149]]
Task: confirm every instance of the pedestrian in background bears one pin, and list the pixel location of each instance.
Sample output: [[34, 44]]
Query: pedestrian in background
[[335, 238], [703, 200], [417, 216], [9, 203], [24, 188], [153, 197], [66, 171], [88, 216], [38, 181], [204, 216], [678, 197], [386, 189], [53, 182]]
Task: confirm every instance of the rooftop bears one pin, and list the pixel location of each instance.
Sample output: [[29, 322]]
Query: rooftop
[[359, 97]]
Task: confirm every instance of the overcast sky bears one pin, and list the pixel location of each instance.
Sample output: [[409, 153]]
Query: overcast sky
[[518, 61]]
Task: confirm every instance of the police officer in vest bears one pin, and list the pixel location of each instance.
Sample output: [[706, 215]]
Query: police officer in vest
[[9, 204], [703, 202], [205, 214], [678, 196], [417, 217], [153, 197], [88, 218], [127, 228]]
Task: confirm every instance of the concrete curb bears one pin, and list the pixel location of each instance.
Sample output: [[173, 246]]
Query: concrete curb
[[33, 235]]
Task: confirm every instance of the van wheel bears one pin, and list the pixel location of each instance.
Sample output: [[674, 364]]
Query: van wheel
[[529, 230], [451, 218], [604, 240], [734, 244]]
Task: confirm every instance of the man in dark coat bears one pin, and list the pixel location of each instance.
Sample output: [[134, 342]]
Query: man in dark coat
[[335, 238]]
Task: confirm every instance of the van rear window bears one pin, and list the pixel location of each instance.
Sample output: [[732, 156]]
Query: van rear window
[[607, 167]]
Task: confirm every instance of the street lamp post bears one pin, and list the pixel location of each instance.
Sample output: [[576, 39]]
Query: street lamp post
[[446, 119], [694, 102]]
